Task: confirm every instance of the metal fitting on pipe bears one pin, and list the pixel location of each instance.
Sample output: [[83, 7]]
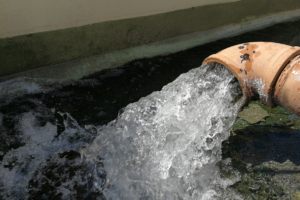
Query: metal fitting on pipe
[[268, 69]]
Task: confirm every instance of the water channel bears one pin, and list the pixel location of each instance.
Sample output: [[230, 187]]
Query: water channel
[[156, 128]]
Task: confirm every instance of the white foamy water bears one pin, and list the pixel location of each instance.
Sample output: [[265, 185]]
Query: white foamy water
[[41, 146], [166, 145]]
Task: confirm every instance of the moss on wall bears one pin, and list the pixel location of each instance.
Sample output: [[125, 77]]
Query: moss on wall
[[27, 52]]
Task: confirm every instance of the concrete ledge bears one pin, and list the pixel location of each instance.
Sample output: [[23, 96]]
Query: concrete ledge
[[117, 42], [79, 68]]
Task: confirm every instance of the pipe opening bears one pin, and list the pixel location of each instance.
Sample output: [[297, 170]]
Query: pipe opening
[[265, 70], [234, 84]]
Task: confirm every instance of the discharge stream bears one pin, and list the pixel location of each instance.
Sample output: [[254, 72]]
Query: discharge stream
[[165, 146]]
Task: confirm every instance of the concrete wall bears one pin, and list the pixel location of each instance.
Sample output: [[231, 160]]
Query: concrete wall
[[35, 34], [32, 16]]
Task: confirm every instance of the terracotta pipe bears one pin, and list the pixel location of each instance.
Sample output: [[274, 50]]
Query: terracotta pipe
[[269, 69], [287, 89]]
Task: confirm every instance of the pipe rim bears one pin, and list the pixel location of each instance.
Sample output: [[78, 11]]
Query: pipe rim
[[269, 75]]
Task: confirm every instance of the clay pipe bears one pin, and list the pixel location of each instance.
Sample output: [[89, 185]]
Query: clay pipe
[[268, 69]]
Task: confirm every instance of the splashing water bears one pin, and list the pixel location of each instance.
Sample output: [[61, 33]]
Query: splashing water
[[41, 146], [165, 146]]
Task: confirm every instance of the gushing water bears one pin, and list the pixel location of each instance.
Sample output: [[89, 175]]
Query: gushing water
[[165, 146]]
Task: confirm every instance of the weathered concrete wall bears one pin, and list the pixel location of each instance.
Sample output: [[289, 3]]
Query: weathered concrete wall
[[32, 16], [25, 52]]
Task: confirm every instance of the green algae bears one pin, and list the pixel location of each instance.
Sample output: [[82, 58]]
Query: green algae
[[240, 124], [278, 119], [259, 114]]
